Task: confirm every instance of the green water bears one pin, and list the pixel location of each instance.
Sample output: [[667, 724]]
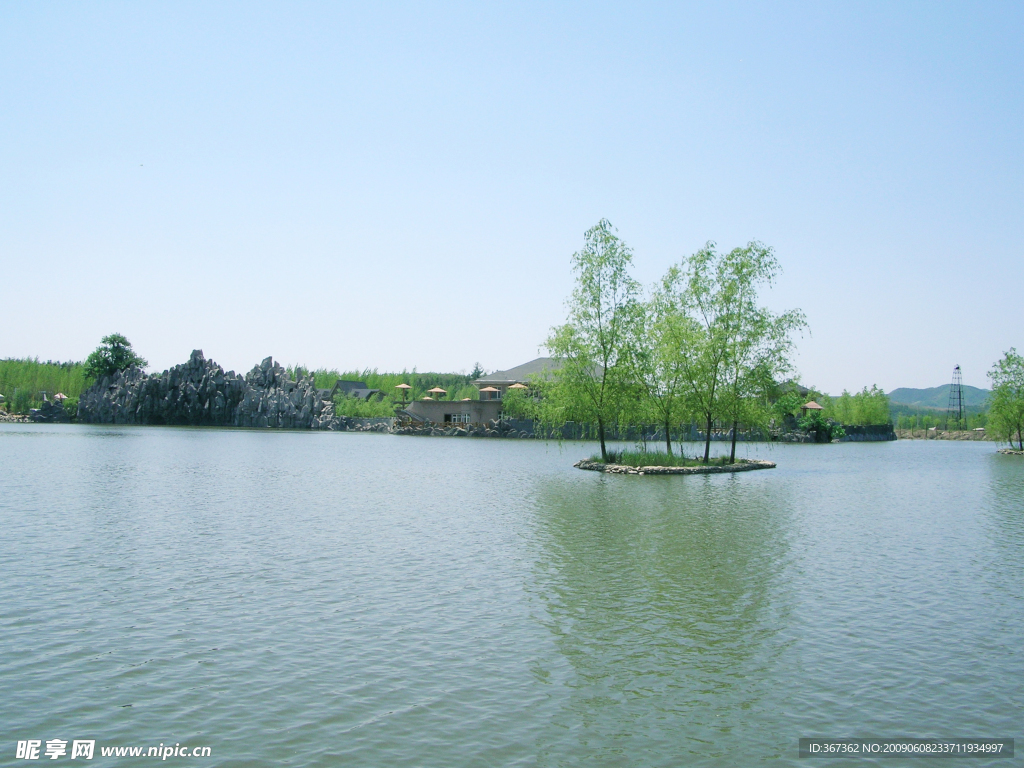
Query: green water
[[368, 600]]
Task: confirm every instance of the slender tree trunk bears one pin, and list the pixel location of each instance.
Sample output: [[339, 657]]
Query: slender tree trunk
[[1020, 443], [600, 434], [707, 440], [732, 453], [668, 437]]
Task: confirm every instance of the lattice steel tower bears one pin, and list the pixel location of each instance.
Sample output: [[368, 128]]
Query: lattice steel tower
[[957, 409]]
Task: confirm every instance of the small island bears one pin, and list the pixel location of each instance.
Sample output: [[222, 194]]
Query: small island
[[741, 465]]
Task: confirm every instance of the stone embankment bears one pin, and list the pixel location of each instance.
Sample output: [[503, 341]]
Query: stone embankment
[[941, 434], [873, 433], [13, 418], [489, 429], [200, 393], [1011, 452], [867, 433], [741, 465], [791, 437]]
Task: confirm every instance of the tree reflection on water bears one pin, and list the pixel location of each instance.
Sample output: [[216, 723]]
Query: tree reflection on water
[[667, 597]]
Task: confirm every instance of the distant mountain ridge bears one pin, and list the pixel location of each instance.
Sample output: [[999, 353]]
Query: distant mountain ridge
[[936, 397]]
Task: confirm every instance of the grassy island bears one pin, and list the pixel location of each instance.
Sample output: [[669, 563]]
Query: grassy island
[[656, 459]]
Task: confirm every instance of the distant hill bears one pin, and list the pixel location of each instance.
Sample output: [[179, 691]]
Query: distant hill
[[936, 397]]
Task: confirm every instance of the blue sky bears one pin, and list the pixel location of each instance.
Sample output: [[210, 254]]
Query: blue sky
[[399, 186]]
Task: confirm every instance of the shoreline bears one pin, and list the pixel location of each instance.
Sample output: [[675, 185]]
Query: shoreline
[[938, 434]]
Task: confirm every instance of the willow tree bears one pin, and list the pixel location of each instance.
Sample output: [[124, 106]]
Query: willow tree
[[592, 346], [1006, 403], [697, 289], [660, 333], [758, 342], [734, 348]]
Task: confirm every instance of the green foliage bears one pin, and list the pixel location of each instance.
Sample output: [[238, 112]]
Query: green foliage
[[22, 382], [784, 402], [593, 384], [823, 429], [735, 350], [932, 418], [520, 404], [660, 336], [700, 345], [656, 459], [23, 401], [114, 354], [353, 406], [1006, 404], [457, 385], [869, 406]]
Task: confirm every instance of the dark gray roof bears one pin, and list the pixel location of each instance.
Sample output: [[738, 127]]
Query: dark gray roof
[[520, 372], [362, 394], [351, 388]]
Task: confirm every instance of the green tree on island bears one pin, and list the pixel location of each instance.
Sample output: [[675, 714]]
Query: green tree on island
[[696, 289], [661, 334], [758, 342], [736, 349], [1006, 403], [114, 354], [593, 343]]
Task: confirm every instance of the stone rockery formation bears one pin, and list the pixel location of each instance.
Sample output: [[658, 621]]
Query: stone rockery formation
[[199, 392]]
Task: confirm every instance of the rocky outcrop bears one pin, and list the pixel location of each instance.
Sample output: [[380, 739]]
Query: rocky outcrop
[[200, 393], [51, 412], [270, 399]]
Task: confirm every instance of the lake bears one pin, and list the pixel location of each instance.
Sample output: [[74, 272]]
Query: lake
[[291, 598]]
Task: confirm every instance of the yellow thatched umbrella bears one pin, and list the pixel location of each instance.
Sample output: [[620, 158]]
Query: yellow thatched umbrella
[[811, 406]]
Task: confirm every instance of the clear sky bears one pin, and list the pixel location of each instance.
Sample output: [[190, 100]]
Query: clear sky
[[398, 186]]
